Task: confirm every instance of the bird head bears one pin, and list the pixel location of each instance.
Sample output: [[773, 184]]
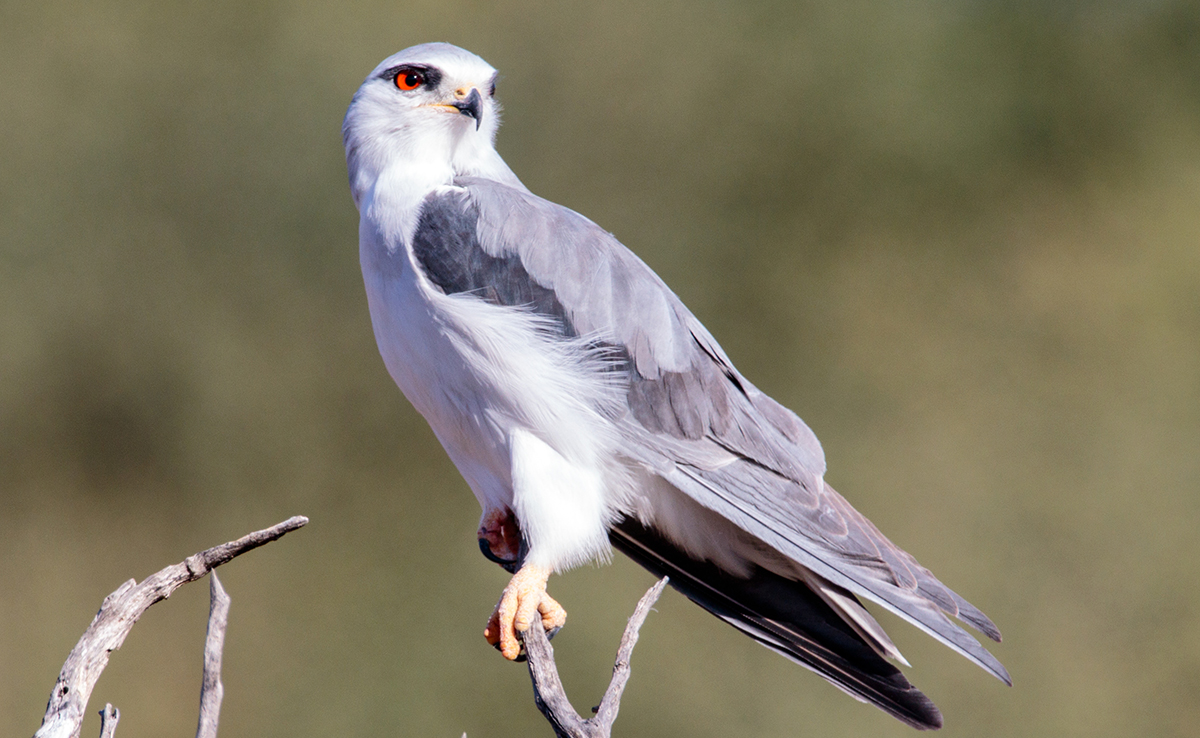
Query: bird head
[[431, 105]]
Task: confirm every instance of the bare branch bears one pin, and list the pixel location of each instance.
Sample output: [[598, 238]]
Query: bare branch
[[548, 692], [117, 615], [211, 690], [108, 721], [606, 713]]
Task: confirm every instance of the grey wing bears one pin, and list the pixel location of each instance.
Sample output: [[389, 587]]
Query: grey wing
[[692, 417]]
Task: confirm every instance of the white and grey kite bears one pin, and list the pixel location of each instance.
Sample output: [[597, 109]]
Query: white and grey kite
[[587, 408]]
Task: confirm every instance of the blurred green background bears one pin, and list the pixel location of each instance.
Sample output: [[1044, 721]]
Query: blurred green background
[[962, 240]]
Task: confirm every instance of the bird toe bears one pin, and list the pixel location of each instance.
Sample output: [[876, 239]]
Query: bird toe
[[523, 600]]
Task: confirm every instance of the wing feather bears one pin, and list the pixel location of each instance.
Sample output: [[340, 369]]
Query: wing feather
[[793, 621], [692, 418]]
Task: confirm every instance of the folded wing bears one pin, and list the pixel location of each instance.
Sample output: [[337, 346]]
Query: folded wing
[[692, 419]]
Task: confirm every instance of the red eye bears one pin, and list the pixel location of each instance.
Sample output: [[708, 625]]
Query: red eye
[[410, 79]]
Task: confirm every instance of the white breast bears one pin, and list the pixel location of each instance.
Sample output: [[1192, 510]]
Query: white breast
[[520, 411]]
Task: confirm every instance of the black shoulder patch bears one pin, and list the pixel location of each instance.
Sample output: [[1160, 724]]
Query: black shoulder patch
[[447, 247]]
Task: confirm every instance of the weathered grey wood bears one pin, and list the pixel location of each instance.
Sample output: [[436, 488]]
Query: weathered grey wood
[[117, 615], [108, 721], [211, 689], [551, 698]]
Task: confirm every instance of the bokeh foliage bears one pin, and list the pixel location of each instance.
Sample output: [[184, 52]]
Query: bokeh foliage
[[962, 240]]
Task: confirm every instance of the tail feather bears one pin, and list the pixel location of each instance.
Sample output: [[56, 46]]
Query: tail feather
[[848, 608], [787, 617]]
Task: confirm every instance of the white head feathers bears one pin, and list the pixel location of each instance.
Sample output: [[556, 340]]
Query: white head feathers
[[429, 109]]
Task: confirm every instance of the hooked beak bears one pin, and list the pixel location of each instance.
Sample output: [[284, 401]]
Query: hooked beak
[[471, 105]]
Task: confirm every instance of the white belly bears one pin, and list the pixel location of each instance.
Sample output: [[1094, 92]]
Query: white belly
[[519, 410]]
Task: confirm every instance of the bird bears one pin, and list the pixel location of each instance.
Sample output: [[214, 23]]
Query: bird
[[589, 410]]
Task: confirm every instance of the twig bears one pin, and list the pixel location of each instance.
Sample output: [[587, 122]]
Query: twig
[[117, 615], [548, 692], [108, 721], [211, 690]]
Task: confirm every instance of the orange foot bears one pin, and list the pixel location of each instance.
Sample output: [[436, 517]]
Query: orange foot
[[524, 597]]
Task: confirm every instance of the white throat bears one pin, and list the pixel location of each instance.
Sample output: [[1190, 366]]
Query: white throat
[[391, 175]]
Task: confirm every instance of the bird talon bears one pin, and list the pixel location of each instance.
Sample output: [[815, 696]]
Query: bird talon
[[500, 539], [486, 549], [523, 600]]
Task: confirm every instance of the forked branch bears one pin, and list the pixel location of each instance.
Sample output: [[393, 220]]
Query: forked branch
[[548, 692], [121, 609]]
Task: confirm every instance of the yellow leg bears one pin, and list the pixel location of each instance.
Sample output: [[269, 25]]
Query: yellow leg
[[524, 597]]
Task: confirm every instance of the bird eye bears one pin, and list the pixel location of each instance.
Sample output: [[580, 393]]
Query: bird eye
[[409, 79]]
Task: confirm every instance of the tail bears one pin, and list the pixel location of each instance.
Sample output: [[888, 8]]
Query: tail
[[787, 617]]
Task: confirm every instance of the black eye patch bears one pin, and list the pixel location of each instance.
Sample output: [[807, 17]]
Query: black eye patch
[[415, 75]]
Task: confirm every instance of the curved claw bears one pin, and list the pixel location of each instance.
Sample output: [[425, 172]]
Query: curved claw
[[521, 657], [500, 539], [509, 565]]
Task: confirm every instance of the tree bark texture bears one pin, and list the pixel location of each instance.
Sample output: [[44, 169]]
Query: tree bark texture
[[551, 698], [117, 616]]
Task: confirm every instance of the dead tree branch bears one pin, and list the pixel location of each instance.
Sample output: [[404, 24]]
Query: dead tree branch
[[548, 692], [211, 689], [117, 615], [108, 721]]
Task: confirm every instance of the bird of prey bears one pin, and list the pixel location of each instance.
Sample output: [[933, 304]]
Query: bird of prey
[[588, 409]]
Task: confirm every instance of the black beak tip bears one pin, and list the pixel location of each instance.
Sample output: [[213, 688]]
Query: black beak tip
[[472, 105]]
